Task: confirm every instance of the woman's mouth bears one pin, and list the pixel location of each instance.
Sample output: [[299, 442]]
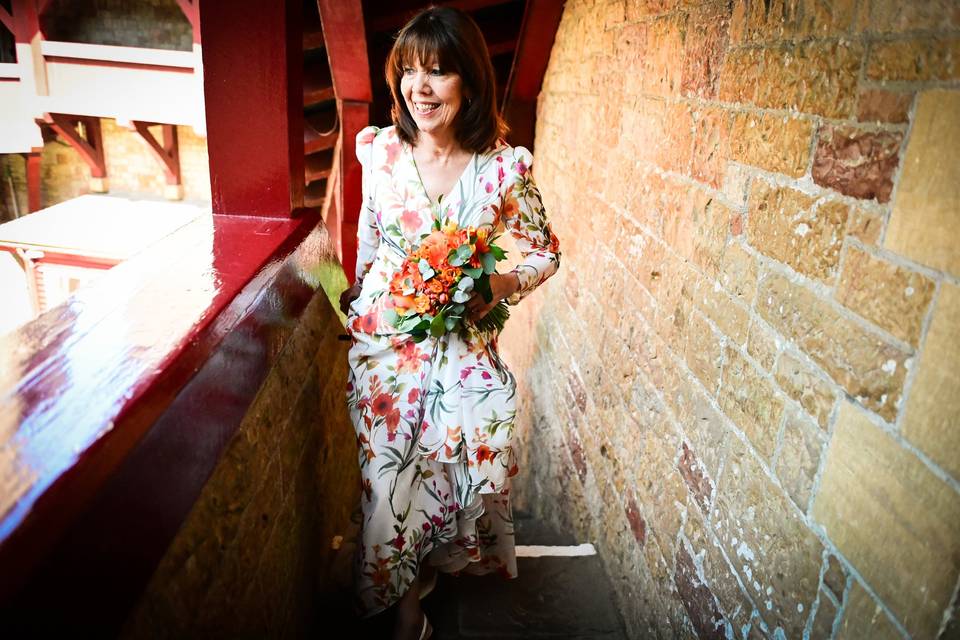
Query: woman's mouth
[[424, 108]]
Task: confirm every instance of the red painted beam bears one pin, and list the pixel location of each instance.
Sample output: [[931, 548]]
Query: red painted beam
[[252, 83], [33, 160], [26, 20], [89, 146], [7, 20], [191, 10], [540, 21], [346, 44], [395, 20], [168, 153]]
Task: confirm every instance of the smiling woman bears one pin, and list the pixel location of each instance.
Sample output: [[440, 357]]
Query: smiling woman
[[434, 410]]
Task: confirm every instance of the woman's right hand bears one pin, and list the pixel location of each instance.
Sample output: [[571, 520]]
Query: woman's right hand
[[349, 296]]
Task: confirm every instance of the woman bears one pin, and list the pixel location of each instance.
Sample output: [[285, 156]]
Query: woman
[[434, 419]]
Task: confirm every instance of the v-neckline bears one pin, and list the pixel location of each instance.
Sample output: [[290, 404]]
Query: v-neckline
[[445, 197]]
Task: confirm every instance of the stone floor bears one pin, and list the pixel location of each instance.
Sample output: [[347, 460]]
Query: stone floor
[[552, 597]]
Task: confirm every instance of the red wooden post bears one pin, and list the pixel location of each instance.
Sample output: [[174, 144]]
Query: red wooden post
[[33, 179], [252, 68], [346, 43]]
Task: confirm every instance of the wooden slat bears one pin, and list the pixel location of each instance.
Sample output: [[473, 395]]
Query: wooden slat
[[317, 85], [7, 20], [317, 166], [320, 131]]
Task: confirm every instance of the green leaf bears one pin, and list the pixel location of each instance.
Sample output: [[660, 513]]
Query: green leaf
[[454, 259], [489, 263], [391, 317], [450, 323], [497, 252], [482, 286], [437, 326], [473, 272]]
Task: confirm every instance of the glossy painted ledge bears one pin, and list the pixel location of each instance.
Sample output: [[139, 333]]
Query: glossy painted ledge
[[83, 384]]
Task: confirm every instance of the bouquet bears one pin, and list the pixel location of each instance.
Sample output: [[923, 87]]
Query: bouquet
[[436, 279]]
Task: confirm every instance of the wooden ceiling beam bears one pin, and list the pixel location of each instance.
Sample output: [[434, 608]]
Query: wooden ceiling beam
[[395, 20], [346, 45]]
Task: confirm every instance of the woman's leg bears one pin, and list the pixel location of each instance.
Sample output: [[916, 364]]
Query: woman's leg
[[409, 616]]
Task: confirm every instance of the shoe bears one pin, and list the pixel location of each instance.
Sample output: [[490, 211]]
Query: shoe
[[428, 587], [427, 630]]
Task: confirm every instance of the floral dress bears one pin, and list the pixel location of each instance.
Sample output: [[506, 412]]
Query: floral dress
[[434, 420]]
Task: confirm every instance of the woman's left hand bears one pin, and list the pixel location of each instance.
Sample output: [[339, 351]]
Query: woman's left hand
[[502, 286]]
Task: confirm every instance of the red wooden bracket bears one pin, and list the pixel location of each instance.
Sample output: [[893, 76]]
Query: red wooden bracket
[[168, 153], [191, 10], [90, 146], [7, 20], [33, 160], [42, 6]]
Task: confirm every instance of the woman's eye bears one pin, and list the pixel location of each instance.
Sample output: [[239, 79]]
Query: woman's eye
[[407, 70], [436, 72]]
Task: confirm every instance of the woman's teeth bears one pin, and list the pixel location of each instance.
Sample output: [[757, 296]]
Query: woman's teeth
[[426, 108]]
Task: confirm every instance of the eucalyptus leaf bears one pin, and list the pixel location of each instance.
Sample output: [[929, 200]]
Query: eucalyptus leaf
[[489, 263], [391, 317], [450, 323], [465, 284], [454, 258], [473, 272], [460, 296]]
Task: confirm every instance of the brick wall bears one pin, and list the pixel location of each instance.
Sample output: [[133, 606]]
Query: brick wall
[[744, 379], [255, 557]]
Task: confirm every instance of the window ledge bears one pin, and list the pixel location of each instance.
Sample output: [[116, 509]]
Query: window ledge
[[83, 383]]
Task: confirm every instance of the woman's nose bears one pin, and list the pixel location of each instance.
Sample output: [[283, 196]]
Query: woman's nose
[[421, 83]]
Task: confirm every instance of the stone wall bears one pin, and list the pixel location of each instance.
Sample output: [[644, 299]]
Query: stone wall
[[153, 24], [742, 383], [257, 556], [131, 169]]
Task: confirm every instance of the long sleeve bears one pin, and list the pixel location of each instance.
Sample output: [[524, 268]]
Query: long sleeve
[[526, 219], [368, 234]]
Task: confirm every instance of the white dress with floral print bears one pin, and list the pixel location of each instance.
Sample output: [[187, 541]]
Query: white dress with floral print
[[434, 420]]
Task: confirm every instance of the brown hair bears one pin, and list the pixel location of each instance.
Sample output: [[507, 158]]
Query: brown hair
[[452, 38]]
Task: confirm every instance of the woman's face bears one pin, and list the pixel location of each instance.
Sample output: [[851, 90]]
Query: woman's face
[[433, 97]]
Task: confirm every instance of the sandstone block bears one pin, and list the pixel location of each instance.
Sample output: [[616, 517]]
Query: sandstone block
[[703, 425], [776, 143], [710, 145], [835, 577], [802, 383], [762, 345], [923, 222], [700, 347], [793, 228], [749, 399], [892, 518], [799, 458], [717, 572], [699, 602], [880, 105], [730, 317], [659, 70], [777, 556], [933, 407], [865, 224], [863, 618], [705, 42], [698, 230], [866, 366], [857, 163], [814, 77], [660, 489], [638, 9], [823, 619], [888, 295], [916, 59], [769, 21], [694, 474], [738, 273], [893, 16]]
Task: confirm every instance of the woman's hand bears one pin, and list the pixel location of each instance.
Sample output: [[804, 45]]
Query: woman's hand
[[502, 286], [349, 296]]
